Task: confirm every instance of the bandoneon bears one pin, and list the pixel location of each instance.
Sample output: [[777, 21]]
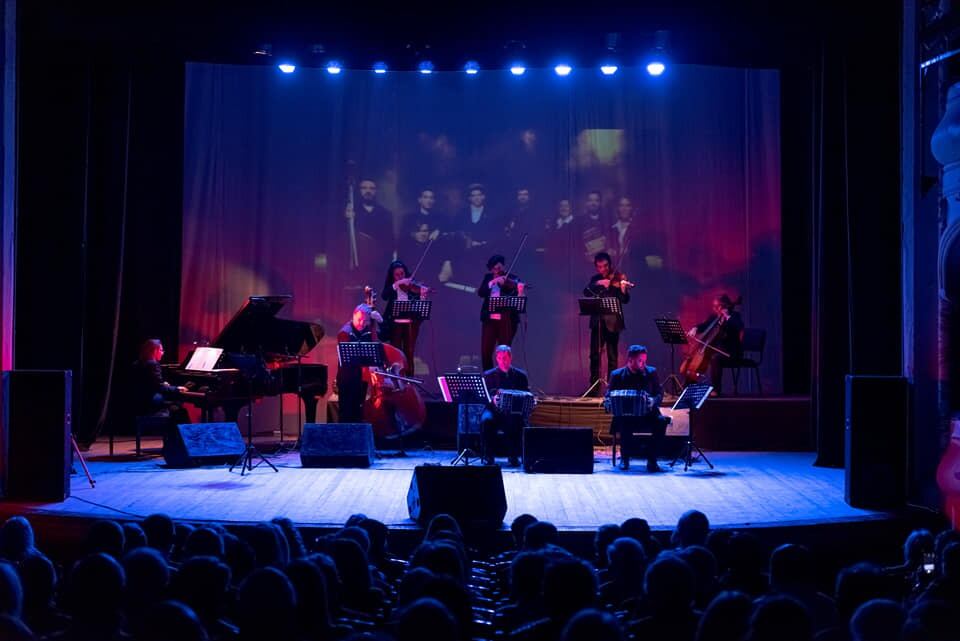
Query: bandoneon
[[514, 402], [627, 402]]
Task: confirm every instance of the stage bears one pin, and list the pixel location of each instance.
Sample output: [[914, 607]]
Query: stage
[[747, 489]]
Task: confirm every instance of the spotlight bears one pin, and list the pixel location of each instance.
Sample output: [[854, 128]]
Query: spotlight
[[425, 67], [472, 68], [334, 67], [608, 69], [265, 49], [380, 67], [563, 69], [286, 67], [656, 68], [518, 69]]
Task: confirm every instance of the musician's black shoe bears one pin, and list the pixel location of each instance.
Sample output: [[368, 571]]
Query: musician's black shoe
[[513, 462], [624, 463], [653, 468]]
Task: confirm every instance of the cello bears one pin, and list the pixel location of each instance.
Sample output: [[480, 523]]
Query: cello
[[695, 365], [394, 406]]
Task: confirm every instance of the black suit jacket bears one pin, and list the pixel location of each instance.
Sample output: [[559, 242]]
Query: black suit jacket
[[148, 391], [484, 291], [513, 378], [613, 322], [643, 380], [729, 337]]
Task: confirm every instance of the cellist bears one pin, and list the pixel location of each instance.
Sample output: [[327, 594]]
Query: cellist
[[727, 339]]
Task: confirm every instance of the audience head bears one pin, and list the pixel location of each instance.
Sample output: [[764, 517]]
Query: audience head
[[133, 537], [266, 605], [11, 592], [38, 576], [569, 585], [780, 618], [727, 617], [950, 561], [944, 539], [16, 539], [539, 535], [357, 534], [352, 568], [203, 541], [518, 528], [313, 604], [107, 537], [377, 534], [692, 529], [147, 576], [877, 620], [442, 523], [172, 621], [606, 534], [856, 585], [704, 566], [441, 558], [627, 560], [269, 545], [526, 576], [669, 583], [161, 533], [239, 555], [94, 590], [931, 621], [426, 619], [295, 546], [202, 582], [791, 567], [592, 625], [918, 543]]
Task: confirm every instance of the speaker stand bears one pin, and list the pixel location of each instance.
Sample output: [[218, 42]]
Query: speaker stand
[[464, 457], [251, 452], [83, 463]]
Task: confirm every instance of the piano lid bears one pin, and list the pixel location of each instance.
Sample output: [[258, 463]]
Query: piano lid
[[254, 329]]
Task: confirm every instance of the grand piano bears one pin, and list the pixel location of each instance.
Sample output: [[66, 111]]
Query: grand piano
[[262, 356]]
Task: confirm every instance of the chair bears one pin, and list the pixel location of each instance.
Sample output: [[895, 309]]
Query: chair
[[616, 439], [752, 342]]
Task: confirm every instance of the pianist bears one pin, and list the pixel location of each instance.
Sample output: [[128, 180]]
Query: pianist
[[639, 376], [351, 389], [150, 394], [503, 376]]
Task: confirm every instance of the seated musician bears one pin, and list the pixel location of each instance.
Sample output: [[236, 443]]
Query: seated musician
[[503, 376], [351, 388], [150, 395], [401, 332], [727, 339], [639, 376]]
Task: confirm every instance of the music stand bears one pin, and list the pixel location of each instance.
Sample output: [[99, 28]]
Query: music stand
[[464, 388], [692, 398], [418, 310], [599, 306], [672, 333], [361, 354], [498, 304]]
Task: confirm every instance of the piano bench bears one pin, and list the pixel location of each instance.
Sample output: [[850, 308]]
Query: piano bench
[[150, 425]]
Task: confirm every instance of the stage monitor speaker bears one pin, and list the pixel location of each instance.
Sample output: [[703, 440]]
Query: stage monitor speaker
[[876, 450], [558, 450], [36, 450], [337, 445], [195, 444], [472, 494]]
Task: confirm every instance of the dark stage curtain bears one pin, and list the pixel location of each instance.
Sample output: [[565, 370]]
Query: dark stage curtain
[[696, 152]]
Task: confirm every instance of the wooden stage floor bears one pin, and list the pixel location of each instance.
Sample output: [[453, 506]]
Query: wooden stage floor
[[755, 489]]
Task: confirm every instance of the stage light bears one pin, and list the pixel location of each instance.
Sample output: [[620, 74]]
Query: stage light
[[518, 69], [334, 67], [380, 67], [286, 67], [563, 69], [608, 69], [656, 68], [425, 67], [472, 68]]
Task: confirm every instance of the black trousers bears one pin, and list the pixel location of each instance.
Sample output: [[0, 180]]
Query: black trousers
[[493, 333], [403, 336], [493, 422], [717, 363], [627, 425], [600, 336]]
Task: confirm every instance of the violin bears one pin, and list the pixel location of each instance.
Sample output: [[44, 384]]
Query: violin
[[619, 280], [414, 287]]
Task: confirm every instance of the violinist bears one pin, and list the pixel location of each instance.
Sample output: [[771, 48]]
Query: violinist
[[401, 332], [503, 376], [605, 328], [497, 328], [727, 339], [351, 388]]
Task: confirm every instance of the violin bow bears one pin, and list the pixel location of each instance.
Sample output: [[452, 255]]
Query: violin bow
[[523, 240], [422, 256]]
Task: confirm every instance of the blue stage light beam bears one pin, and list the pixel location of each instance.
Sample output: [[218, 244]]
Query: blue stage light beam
[[380, 67], [425, 67], [562, 69], [287, 67], [472, 68]]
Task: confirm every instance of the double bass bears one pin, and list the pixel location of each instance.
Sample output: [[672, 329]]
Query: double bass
[[694, 367], [394, 406]]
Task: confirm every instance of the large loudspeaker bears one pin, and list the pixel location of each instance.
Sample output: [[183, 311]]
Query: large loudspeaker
[[877, 415], [337, 445], [193, 444], [558, 450], [472, 494], [36, 448]]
